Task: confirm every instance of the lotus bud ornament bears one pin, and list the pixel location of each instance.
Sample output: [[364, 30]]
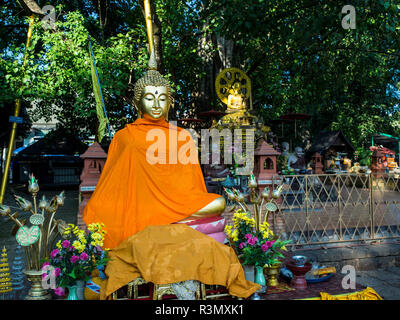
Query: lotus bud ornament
[[52, 207], [33, 186], [230, 194], [23, 203], [239, 196], [43, 203], [276, 194], [4, 210], [252, 181], [265, 193], [61, 198]]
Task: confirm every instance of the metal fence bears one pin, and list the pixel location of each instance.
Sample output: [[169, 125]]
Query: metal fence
[[331, 208]]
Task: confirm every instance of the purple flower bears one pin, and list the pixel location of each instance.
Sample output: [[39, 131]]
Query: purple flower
[[264, 247], [252, 241], [56, 272], [84, 256], [268, 244], [243, 244], [59, 291], [65, 244], [248, 236], [74, 259], [54, 253]]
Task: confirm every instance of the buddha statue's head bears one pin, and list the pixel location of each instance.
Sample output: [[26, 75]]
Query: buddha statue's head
[[152, 93]]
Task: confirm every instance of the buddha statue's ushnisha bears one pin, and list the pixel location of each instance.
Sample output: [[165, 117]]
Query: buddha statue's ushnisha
[[134, 191]]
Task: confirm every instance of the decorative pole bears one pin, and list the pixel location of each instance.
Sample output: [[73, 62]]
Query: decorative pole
[[149, 24], [16, 115]]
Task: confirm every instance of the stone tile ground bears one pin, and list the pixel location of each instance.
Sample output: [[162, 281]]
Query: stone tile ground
[[386, 282]]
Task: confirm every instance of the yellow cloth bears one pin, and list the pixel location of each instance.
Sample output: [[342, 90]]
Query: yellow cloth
[[133, 193], [367, 294], [174, 253]]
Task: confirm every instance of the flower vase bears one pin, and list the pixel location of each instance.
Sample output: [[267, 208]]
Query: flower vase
[[80, 290], [248, 272], [272, 272], [260, 279], [72, 294]]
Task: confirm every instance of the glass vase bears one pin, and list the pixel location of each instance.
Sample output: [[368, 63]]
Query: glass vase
[[248, 272], [72, 295], [260, 278]]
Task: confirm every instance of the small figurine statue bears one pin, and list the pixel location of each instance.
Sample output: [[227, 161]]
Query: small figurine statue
[[236, 100], [236, 107], [261, 133], [217, 168], [285, 149], [296, 160]]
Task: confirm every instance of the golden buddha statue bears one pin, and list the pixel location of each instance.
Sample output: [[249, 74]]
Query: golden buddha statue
[[132, 191], [236, 108], [236, 101]]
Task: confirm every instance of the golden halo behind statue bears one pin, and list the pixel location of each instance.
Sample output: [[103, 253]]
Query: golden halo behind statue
[[229, 78]]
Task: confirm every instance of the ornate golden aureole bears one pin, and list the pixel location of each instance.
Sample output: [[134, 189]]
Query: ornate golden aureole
[[233, 87], [152, 97]]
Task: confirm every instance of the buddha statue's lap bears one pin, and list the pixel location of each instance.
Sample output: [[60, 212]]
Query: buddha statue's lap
[[161, 190]]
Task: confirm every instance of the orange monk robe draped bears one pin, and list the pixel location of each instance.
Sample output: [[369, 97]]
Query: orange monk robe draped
[[175, 253], [133, 193]]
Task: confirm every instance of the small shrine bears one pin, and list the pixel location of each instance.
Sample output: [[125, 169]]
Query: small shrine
[[94, 160], [383, 159], [379, 163], [335, 150], [265, 164]]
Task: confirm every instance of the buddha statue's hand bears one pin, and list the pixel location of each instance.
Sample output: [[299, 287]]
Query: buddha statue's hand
[[214, 208]]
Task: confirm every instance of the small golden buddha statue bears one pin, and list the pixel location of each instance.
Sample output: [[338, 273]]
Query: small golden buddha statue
[[236, 100], [132, 192], [236, 107]]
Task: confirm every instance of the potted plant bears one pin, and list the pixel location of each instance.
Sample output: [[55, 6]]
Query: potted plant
[[75, 257]]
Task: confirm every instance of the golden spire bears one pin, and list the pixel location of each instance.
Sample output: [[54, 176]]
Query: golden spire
[[149, 25]]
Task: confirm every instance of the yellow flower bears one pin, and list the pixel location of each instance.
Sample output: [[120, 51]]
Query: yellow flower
[[59, 245]]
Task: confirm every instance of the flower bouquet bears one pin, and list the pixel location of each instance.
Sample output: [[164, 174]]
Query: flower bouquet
[[75, 257], [259, 248]]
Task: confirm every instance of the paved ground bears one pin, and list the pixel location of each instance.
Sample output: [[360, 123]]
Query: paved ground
[[386, 282]]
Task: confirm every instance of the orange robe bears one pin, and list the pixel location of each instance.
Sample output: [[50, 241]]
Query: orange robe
[[133, 193]]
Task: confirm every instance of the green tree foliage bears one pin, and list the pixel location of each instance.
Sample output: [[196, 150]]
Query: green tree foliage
[[296, 53]]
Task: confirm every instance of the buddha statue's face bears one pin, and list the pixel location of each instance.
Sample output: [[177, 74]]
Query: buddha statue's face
[[155, 101]]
